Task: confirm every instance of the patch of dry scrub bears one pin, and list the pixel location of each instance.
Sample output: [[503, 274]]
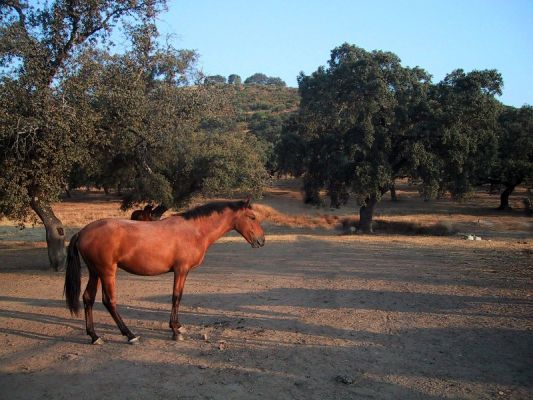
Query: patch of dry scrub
[[349, 224], [295, 221]]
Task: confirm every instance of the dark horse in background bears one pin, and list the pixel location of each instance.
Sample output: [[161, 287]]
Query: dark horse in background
[[176, 244], [143, 215], [149, 213]]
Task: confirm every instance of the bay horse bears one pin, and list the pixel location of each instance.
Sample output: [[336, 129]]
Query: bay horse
[[176, 244]]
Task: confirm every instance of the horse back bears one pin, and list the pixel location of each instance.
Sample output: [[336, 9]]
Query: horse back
[[142, 248]]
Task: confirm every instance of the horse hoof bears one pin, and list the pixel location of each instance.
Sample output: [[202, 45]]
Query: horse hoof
[[179, 337], [134, 340], [98, 341]]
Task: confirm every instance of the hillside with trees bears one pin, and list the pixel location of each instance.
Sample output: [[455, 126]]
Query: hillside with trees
[[261, 109]]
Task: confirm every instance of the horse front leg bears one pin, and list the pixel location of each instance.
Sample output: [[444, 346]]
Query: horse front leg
[[179, 283]]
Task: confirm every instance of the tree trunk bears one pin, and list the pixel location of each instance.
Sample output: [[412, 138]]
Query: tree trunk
[[504, 197], [55, 233], [495, 186], [334, 201], [366, 213], [393, 195]]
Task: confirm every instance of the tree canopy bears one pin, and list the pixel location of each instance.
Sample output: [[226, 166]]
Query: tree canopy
[[43, 133], [356, 116], [457, 140], [514, 163], [234, 79], [365, 120], [261, 79], [72, 113]]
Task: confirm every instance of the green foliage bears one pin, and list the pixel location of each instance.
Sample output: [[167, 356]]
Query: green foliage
[[160, 139], [46, 122], [219, 164], [261, 79], [40, 137], [261, 110], [457, 142], [141, 105], [291, 149], [73, 113], [515, 152], [256, 79], [234, 79], [356, 117], [272, 99], [365, 120], [215, 80]]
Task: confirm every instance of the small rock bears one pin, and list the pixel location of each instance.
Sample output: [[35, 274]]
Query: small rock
[[222, 345], [203, 367], [204, 337], [344, 379], [501, 393]]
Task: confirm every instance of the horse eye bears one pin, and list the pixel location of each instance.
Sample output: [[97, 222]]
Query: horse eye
[[252, 216]]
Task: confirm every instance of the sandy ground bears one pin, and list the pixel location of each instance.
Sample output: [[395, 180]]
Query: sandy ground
[[312, 315]]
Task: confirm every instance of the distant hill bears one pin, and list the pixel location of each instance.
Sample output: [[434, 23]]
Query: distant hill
[[250, 99], [258, 109]]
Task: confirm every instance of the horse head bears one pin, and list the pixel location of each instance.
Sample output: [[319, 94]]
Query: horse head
[[247, 224], [144, 215]]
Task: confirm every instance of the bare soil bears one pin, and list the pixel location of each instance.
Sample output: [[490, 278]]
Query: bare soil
[[312, 315]]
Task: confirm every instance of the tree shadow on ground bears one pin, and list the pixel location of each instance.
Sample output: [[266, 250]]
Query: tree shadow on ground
[[125, 378], [446, 354], [394, 261], [443, 353]]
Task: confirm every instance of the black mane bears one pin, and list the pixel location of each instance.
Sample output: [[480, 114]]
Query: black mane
[[206, 210]]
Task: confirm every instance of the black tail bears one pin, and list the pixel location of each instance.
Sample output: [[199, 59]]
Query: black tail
[[73, 277]]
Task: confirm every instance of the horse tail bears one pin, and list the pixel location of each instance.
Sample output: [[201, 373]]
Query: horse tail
[[73, 277]]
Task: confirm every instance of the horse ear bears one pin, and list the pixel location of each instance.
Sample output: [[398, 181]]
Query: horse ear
[[247, 201]]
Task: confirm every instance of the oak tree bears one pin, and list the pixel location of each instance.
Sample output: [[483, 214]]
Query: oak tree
[[42, 133]]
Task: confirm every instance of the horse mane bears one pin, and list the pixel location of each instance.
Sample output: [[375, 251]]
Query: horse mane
[[206, 210]]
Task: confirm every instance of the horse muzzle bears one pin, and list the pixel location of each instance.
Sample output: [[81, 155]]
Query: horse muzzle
[[258, 242]]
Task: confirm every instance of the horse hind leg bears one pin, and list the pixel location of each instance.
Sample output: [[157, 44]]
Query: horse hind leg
[[110, 302], [88, 301]]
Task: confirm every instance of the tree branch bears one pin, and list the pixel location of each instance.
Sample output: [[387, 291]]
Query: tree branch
[[76, 37], [15, 4]]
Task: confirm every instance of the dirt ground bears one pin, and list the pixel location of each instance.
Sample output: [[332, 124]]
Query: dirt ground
[[312, 315]]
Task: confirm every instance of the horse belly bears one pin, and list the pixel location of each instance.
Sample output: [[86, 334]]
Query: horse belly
[[140, 263], [148, 269]]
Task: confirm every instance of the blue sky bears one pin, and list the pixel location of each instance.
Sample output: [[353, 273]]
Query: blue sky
[[282, 38]]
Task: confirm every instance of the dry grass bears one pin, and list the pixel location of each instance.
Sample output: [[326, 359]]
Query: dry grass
[[282, 206], [268, 213], [408, 216], [348, 224]]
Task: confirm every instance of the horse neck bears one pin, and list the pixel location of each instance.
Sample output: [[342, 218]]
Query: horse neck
[[216, 225]]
